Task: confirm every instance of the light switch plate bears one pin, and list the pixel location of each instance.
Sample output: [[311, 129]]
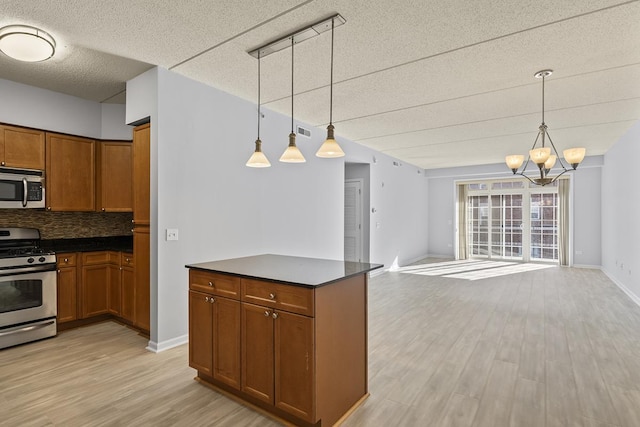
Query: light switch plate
[[172, 234]]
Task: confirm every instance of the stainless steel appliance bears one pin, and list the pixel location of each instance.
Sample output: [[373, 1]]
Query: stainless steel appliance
[[28, 304], [21, 188]]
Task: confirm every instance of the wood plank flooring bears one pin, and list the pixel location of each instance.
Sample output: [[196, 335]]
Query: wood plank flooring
[[552, 347]]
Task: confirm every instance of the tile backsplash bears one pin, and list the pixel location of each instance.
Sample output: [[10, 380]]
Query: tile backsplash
[[68, 225]]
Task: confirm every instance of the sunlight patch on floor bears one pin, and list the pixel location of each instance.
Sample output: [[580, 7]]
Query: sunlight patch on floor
[[472, 269]]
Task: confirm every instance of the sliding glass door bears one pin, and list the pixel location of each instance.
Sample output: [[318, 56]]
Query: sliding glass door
[[512, 220]]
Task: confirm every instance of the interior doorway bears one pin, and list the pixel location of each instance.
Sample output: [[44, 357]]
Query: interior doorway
[[356, 212]]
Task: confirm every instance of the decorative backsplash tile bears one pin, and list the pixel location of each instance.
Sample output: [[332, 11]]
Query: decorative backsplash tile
[[68, 225]]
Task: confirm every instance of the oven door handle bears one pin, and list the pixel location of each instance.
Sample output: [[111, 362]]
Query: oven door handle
[[25, 191], [26, 270], [20, 329]]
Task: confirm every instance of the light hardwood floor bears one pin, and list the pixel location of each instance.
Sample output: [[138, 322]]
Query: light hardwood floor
[[554, 347]]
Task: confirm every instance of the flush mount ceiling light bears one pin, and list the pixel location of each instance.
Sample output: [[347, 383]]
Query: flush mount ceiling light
[[258, 159], [25, 43], [330, 148], [542, 156]]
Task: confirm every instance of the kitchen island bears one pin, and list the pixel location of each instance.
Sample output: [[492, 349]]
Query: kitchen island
[[286, 335]]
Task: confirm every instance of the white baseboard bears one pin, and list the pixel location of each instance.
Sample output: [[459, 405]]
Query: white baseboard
[[440, 256], [622, 287], [166, 345], [593, 267]]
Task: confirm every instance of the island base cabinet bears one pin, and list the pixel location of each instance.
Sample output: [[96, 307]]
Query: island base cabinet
[[294, 364], [257, 352], [214, 337], [303, 349]]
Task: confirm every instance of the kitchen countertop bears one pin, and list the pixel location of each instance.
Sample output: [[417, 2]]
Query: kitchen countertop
[[89, 244], [306, 272]]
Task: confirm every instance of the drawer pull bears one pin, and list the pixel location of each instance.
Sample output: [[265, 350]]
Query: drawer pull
[[66, 260], [206, 299], [212, 300], [272, 296], [266, 313], [275, 315], [211, 284]]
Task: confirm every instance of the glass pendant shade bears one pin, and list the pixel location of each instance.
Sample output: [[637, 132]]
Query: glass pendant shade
[[330, 148], [514, 161], [551, 161], [26, 43], [540, 155], [574, 156], [292, 154], [258, 159]]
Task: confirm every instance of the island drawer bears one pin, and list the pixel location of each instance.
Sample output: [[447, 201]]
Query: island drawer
[[214, 283], [295, 299]]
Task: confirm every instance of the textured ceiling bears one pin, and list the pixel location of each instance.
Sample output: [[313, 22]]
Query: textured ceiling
[[433, 83]]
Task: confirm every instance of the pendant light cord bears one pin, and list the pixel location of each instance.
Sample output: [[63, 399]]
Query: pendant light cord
[[543, 98], [331, 82], [291, 84], [259, 115]]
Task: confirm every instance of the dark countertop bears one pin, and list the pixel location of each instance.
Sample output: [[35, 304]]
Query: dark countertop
[[307, 272], [90, 244]]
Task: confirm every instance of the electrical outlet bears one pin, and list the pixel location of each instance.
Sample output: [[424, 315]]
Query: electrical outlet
[[172, 234]]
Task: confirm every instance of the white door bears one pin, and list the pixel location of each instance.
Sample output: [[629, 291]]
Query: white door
[[353, 220]]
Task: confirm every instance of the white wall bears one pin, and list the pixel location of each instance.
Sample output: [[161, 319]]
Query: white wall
[[201, 139], [37, 108], [620, 213], [585, 216]]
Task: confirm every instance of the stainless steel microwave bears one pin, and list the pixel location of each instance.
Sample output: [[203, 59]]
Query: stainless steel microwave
[[21, 188]]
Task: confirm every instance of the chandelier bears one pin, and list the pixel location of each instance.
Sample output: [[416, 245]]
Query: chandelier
[[542, 156]]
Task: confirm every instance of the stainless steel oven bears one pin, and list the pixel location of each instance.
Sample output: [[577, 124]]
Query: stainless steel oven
[[28, 302]]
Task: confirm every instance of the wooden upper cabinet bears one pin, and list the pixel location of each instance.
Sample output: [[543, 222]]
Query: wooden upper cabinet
[[70, 173], [114, 184], [21, 148], [141, 174]]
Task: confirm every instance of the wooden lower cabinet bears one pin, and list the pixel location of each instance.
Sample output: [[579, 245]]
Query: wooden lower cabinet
[[95, 290], [142, 287], [257, 352], [214, 331], [294, 364], [127, 275], [308, 369], [67, 287]]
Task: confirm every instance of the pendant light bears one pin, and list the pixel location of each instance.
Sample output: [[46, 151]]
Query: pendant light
[[330, 148], [292, 154], [542, 156], [258, 159]]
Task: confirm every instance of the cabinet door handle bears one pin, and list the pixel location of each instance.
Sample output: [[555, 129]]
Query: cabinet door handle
[[212, 300], [206, 299], [103, 209], [66, 260], [211, 284], [272, 296], [267, 313], [58, 271], [2, 163], [275, 315]]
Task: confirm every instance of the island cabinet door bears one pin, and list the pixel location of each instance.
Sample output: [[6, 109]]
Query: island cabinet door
[[294, 364], [226, 341], [200, 332], [257, 352]]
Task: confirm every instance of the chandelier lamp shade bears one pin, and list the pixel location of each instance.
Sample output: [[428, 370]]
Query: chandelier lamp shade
[[26, 43], [542, 155], [258, 159], [330, 147]]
